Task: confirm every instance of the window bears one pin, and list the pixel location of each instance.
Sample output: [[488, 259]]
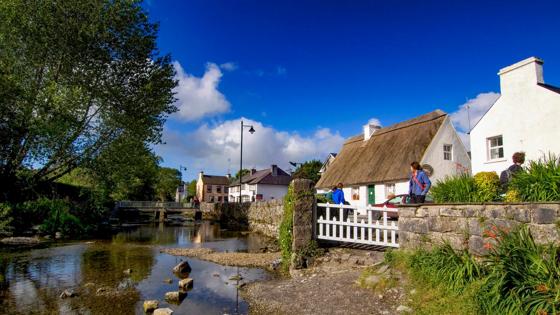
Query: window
[[389, 190], [355, 193], [226, 189], [226, 199], [495, 148], [209, 188], [211, 199], [219, 189], [219, 198], [448, 152]]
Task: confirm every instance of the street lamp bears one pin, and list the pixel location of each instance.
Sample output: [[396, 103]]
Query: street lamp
[[251, 131]]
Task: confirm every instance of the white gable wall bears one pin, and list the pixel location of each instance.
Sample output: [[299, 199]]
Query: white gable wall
[[526, 115], [460, 161]]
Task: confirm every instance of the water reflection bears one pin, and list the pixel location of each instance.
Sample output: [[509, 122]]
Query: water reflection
[[31, 281]]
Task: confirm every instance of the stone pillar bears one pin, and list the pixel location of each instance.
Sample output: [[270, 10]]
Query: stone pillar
[[304, 201]]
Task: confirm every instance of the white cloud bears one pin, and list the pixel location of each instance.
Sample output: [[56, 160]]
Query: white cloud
[[375, 122], [229, 66], [475, 108], [216, 148], [199, 97], [281, 70]]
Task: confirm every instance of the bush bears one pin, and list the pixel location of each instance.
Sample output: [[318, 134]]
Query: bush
[[524, 278], [460, 188], [487, 186], [286, 228], [5, 219], [540, 181]]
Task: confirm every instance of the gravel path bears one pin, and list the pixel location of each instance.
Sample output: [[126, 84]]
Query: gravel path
[[328, 288]]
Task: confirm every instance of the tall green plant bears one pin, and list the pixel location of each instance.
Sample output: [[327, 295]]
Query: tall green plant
[[523, 277], [460, 188], [5, 219], [286, 228], [540, 181]]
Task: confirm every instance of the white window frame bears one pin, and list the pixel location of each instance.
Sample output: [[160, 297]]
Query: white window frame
[[448, 154], [389, 189], [355, 193], [489, 148]]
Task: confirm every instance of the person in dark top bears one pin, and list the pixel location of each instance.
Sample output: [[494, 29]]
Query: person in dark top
[[419, 183], [518, 160]]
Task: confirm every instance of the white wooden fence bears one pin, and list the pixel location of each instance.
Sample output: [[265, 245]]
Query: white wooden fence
[[371, 227]]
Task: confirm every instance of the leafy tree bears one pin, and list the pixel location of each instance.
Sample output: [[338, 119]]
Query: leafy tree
[[76, 76], [191, 188], [168, 181], [309, 170], [244, 172]]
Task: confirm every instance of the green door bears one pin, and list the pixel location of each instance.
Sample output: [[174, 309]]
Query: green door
[[371, 194]]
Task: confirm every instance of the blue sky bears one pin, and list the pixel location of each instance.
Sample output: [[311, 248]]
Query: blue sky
[[311, 73]]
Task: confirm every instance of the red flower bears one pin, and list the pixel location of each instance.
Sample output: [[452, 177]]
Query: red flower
[[487, 245]]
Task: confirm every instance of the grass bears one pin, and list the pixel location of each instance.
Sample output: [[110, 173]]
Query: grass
[[518, 276]]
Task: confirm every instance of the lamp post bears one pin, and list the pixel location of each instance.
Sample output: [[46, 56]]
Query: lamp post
[[251, 131]]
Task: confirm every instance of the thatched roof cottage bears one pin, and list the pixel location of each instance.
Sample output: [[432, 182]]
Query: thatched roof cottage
[[376, 163]]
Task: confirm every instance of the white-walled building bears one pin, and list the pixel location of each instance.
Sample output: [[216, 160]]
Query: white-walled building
[[524, 118], [328, 161], [267, 184], [375, 164]]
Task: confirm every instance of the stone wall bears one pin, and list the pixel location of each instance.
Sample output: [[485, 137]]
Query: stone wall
[[463, 226], [263, 216]]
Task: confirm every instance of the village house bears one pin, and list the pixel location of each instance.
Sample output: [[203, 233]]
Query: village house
[[524, 118], [267, 184], [212, 188], [376, 163], [327, 163]]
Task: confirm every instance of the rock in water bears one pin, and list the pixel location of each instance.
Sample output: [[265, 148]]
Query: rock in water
[[236, 277], [175, 296], [127, 271], [163, 311], [186, 283], [67, 293], [58, 235], [168, 280], [182, 267], [150, 305]]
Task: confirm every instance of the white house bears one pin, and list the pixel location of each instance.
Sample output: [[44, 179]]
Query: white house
[[327, 163], [524, 118], [375, 164], [267, 184]]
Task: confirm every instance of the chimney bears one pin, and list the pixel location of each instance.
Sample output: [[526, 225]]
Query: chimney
[[369, 130], [274, 169], [521, 75], [253, 171]]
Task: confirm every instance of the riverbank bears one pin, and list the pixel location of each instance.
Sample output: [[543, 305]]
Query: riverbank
[[330, 286]]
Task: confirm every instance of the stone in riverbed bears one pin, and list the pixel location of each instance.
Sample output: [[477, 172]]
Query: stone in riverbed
[[404, 309], [168, 280], [175, 296], [58, 235], [236, 277], [182, 267], [127, 271], [186, 283], [163, 311], [150, 305], [67, 294]]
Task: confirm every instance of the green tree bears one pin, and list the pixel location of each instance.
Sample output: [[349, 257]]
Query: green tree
[[168, 181], [244, 172], [309, 170], [76, 76], [191, 188]]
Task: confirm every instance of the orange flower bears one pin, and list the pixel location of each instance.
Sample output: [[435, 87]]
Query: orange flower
[[542, 312], [490, 234], [487, 245], [542, 288]]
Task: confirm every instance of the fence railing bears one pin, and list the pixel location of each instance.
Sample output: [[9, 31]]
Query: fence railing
[[153, 204], [366, 225]]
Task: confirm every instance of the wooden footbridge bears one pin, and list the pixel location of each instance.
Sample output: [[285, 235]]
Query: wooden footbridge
[[159, 210]]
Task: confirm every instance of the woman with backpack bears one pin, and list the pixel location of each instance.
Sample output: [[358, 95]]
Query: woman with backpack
[[419, 183]]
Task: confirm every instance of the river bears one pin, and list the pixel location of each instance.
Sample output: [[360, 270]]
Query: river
[[32, 280]]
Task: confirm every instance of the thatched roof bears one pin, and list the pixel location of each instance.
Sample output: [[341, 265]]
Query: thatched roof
[[386, 156]]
